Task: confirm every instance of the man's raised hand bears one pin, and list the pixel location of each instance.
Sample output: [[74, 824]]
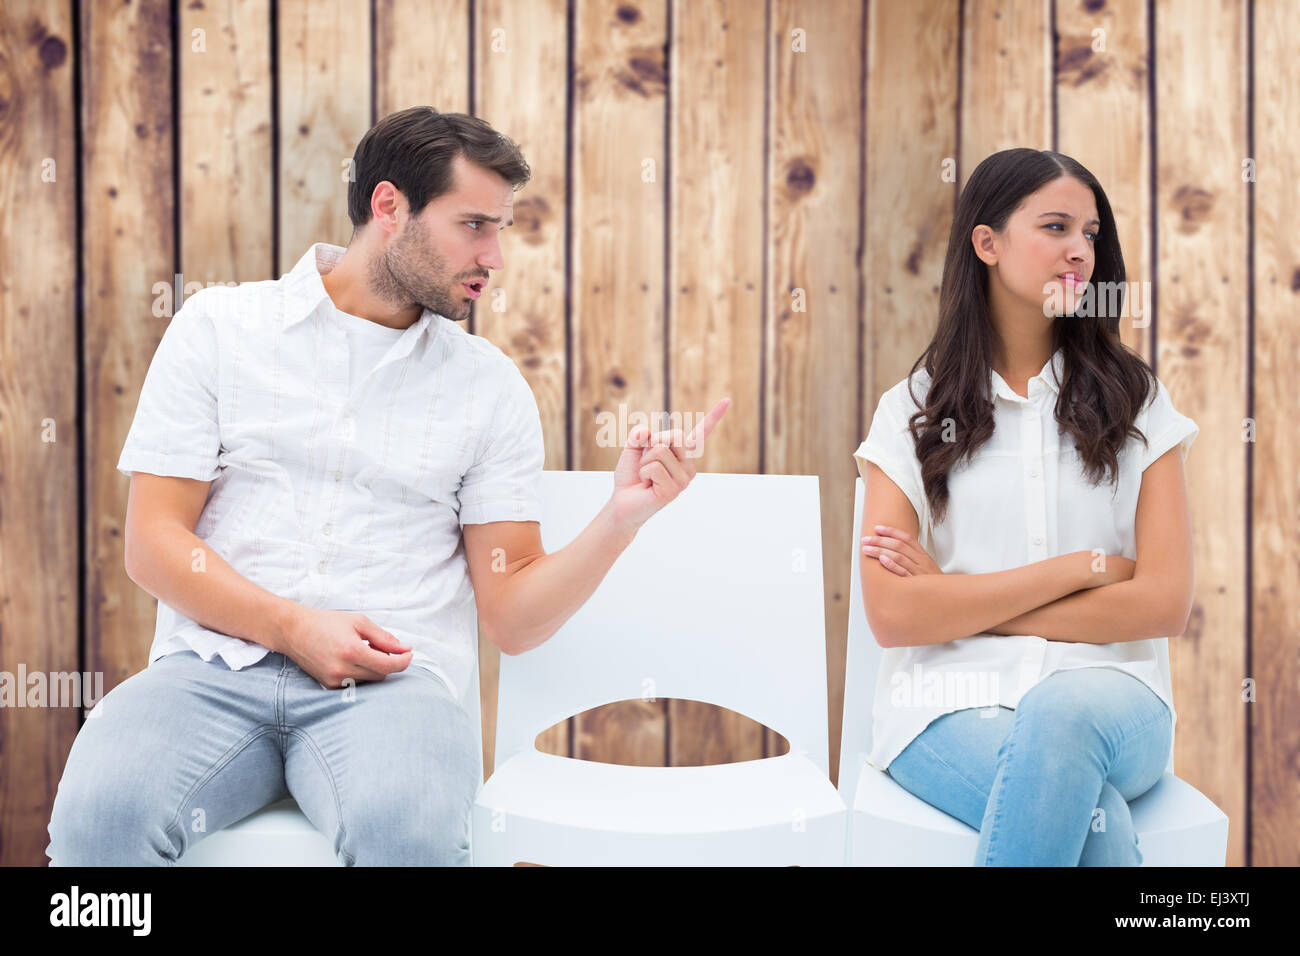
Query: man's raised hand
[[655, 467]]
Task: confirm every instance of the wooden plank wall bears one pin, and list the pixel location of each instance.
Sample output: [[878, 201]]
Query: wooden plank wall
[[729, 197]]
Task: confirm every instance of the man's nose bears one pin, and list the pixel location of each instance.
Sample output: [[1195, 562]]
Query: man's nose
[[492, 257]]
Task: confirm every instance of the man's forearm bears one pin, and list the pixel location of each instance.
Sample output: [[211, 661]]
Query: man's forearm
[[937, 608], [207, 590], [1124, 611], [544, 594]]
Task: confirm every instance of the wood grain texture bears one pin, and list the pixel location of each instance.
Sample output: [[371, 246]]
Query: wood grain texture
[[1104, 121], [1006, 78], [128, 247], [521, 52], [323, 70], [617, 319], [421, 55], [1201, 327], [226, 175], [911, 144], [814, 284], [39, 418], [715, 282], [1274, 783]]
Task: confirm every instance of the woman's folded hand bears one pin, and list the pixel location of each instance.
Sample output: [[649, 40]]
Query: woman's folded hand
[[899, 552]]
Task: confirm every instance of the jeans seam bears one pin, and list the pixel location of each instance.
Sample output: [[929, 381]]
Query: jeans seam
[[957, 773], [334, 791], [997, 807], [173, 827]]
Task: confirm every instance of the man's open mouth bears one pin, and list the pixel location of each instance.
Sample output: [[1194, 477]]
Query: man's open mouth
[[475, 288]]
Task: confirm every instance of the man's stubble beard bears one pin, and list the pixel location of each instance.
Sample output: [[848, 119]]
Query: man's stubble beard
[[399, 277]]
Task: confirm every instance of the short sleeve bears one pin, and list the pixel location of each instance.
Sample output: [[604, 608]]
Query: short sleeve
[[889, 446], [1165, 428], [176, 430], [504, 483]]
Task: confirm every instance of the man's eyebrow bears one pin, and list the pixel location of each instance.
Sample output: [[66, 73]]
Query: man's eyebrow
[[1066, 215], [484, 217]]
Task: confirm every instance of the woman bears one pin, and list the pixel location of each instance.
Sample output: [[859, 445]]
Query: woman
[[1020, 690]]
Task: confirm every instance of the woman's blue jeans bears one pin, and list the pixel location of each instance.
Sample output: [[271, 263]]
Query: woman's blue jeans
[[387, 769], [1048, 783]]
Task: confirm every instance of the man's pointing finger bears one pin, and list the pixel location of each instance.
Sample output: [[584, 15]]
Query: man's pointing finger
[[707, 424]]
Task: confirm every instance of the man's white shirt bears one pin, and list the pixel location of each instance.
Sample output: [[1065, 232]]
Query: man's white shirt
[[333, 487]]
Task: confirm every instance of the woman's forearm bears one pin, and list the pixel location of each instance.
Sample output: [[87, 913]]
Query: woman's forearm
[[937, 608], [1123, 611]]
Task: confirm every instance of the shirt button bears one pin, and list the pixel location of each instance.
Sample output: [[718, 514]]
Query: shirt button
[[320, 566], [327, 528], [338, 476], [1038, 539], [1033, 472]]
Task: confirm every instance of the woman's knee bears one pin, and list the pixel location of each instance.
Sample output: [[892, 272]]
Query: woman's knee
[[1069, 706], [1112, 839]]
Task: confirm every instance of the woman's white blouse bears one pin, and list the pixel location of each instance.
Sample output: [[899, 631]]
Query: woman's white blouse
[[1021, 498]]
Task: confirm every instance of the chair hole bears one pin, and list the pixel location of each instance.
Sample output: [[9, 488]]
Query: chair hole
[[663, 732]]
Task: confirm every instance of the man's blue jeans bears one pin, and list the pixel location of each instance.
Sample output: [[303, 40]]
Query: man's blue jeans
[[1048, 783], [386, 769]]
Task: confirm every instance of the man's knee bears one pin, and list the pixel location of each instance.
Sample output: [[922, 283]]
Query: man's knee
[[408, 828], [102, 821]]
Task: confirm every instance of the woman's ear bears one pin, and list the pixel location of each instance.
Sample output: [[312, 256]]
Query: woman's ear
[[981, 239]]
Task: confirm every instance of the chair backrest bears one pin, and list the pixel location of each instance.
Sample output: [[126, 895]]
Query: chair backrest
[[718, 599], [862, 667]]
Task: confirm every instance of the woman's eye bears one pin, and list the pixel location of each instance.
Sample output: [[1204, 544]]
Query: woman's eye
[[1053, 225]]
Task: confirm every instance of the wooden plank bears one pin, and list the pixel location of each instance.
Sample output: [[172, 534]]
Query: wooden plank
[[1007, 78], [225, 141], [521, 52], [128, 246], [911, 134], [716, 280], [814, 282], [421, 55], [1275, 617], [39, 418], [617, 318], [1201, 317], [1104, 121], [323, 70]]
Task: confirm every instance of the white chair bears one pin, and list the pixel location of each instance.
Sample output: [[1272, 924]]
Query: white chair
[[718, 599], [1177, 825], [280, 834]]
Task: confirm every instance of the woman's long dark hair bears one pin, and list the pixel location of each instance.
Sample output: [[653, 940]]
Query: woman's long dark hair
[[1104, 385]]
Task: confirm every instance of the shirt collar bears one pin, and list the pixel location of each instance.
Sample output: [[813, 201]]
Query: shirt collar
[[1051, 375], [304, 291]]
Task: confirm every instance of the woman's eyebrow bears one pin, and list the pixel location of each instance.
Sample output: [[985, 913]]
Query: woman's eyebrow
[[1066, 215]]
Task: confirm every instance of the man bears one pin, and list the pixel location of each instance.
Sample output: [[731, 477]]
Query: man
[[328, 479]]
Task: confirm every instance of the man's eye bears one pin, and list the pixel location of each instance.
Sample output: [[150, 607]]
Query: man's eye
[[473, 221]]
